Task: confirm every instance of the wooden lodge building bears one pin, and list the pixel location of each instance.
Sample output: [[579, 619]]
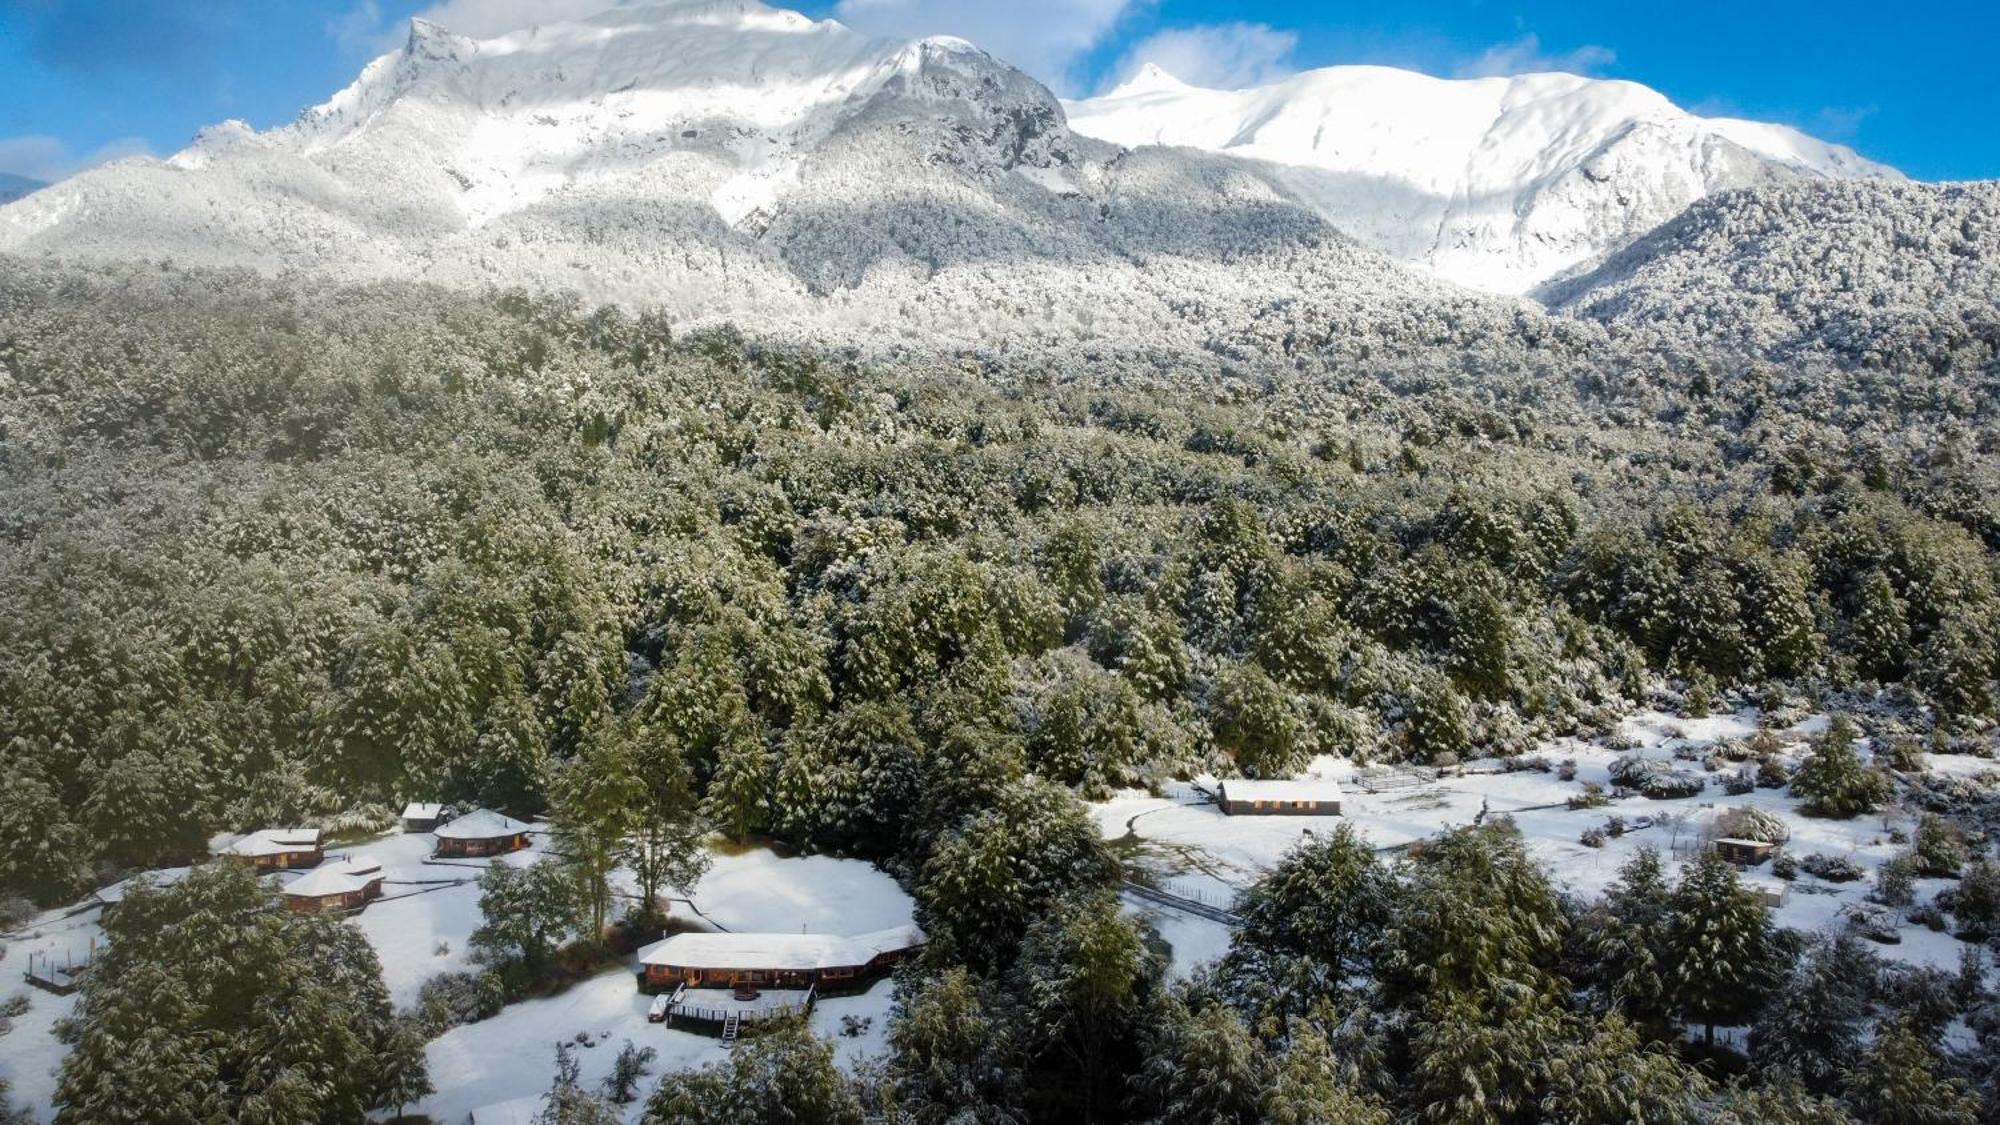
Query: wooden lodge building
[[1309, 797], [269, 849], [1744, 853], [821, 962], [422, 816], [342, 884], [481, 832]]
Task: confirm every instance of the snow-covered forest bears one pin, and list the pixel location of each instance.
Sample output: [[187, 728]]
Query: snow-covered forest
[[284, 551]]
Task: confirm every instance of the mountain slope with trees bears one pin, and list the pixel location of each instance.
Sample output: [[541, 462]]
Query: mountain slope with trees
[[1898, 278]]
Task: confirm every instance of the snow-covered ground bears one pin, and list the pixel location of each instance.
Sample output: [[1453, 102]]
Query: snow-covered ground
[[421, 927], [512, 1055], [1198, 852]]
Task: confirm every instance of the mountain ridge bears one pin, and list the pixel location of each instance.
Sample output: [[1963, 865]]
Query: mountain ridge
[[731, 162], [1496, 183]]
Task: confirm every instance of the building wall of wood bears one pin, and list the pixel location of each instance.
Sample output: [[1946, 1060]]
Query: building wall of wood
[[834, 979], [1282, 808], [499, 845]]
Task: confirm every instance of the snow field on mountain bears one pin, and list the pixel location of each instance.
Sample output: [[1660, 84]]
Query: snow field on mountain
[[1496, 183]]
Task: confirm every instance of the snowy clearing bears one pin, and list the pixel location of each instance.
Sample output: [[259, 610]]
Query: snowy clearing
[[1196, 851]]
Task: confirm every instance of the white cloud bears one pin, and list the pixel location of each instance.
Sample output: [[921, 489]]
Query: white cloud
[[1525, 56], [1223, 56], [50, 159], [361, 27], [1046, 38]]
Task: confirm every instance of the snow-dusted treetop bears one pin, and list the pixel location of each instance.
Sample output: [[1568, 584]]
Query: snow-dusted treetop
[[1498, 183]]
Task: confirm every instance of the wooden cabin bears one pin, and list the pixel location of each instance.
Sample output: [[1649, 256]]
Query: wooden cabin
[[113, 896], [1773, 893], [1303, 797], [1744, 853], [271, 849], [821, 962], [343, 884], [422, 816], [481, 832]]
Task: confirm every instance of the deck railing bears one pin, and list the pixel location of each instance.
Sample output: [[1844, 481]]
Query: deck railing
[[679, 1007]]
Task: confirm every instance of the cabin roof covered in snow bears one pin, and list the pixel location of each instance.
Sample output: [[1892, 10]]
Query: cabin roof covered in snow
[[514, 1111], [338, 877], [481, 824], [1298, 789], [796, 952], [274, 841], [423, 810], [166, 877]]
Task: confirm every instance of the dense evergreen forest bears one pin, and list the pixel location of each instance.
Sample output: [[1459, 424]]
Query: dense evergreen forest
[[281, 551]]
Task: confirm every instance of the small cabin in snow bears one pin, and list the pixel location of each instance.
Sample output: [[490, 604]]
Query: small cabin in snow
[[481, 832], [343, 884], [271, 848], [422, 816], [1304, 797], [1744, 853], [1773, 893]]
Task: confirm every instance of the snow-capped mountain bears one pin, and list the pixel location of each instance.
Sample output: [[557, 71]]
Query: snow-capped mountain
[[725, 160], [731, 162], [1497, 183]]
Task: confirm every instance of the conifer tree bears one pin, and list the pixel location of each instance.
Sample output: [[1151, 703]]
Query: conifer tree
[[739, 793], [1607, 1075], [1813, 1024], [1880, 626], [782, 1075], [1081, 979], [1833, 782], [986, 883], [1329, 898], [1308, 1089], [208, 1004], [596, 797], [1897, 1083], [665, 846], [1201, 1067], [567, 1102], [1717, 945], [1626, 941], [949, 1055]]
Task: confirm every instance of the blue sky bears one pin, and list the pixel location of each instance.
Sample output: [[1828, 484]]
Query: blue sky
[[1909, 83]]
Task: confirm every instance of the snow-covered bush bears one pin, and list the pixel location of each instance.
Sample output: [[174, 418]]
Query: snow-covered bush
[[1655, 778], [1747, 823], [1832, 868]]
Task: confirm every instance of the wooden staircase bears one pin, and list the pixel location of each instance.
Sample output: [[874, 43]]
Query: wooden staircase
[[732, 1024]]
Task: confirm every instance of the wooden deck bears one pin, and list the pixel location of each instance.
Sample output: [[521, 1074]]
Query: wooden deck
[[718, 1010]]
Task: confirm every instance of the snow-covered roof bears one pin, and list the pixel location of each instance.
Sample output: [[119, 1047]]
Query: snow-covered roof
[[480, 824], [797, 952], [1299, 789], [1745, 842], [167, 877], [423, 810], [336, 877], [514, 1111], [274, 841]]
